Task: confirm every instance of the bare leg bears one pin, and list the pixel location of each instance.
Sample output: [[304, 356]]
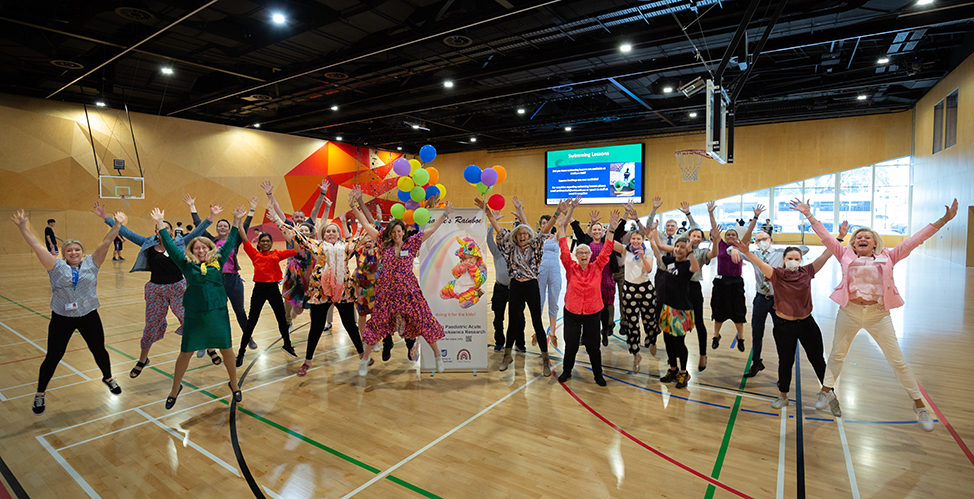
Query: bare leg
[[182, 362], [717, 328], [228, 361], [740, 330], [144, 355], [553, 325]]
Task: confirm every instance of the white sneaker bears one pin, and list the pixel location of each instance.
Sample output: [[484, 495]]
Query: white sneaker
[[363, 367], [823, 400], [779, 403], [200, 353], [923, 418], [440, 367]]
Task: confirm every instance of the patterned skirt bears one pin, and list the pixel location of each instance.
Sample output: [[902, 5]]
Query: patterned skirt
[[295, 287], [675, 322]]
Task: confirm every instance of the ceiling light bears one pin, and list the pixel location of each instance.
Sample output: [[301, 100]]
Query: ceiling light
[[448, 84], [278, 18], [167, 71], [100, 104], [415, 127], [667, 90], [862, 97], [256, 125], [520, 110], [693, 115], [568, 128], [625, 47], [399, 148], [883, 60], [925, 2], [473, 139], [334, 108], [338, 137]]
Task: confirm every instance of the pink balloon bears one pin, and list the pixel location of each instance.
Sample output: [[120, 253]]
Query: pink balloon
[[489, 177]]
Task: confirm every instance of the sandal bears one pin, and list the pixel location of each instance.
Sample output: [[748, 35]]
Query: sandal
[[137, 370], [635, 363], [214, 357], [112, 386], [303, 370]]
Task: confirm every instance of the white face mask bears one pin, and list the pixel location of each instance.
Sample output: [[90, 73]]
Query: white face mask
[[764, 244], [792, 264]]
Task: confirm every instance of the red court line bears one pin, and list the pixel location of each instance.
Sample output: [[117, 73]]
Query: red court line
[[653, 450], [66, 351], [3, 492], [940, 416]]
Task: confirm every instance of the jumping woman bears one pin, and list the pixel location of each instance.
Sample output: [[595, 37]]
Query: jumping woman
[[676, 316], [638, 298]]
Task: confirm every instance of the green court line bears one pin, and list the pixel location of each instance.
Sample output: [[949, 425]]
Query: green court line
[[25, 308], [727, 432]]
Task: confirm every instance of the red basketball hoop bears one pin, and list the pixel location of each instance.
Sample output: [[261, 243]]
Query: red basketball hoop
[[690, 161]]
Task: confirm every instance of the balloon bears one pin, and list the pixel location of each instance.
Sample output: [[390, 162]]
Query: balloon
[[496, 202], [417, 194], [404, 195], [408, 217], [434, 175], [482, 189], [472, 174], [441, 205], [406, 184], [432, 192], [411, 205], [421, 176], [414, 164], [401, 167], [501, 173], [421, 216], [427, 153], [488, 177], [398, 210], [442, 189]]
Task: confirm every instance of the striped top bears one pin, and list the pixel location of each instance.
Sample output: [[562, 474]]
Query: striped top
[[69, 299]]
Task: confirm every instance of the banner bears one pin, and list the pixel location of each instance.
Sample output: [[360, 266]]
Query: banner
[[453, 277]]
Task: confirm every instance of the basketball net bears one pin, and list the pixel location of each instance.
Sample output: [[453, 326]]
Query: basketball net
[[690, 161]]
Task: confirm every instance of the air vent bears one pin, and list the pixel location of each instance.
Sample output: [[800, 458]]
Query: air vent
[[67, 64], [610, 118], [562, 89], [458, 41], [258, 98], [335, 75], [135, 14]]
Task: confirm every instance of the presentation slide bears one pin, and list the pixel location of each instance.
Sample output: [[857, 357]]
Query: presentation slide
[[600, 175]]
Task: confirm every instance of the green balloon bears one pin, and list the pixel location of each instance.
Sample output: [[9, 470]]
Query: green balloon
[[398, 210], [420, 177], [418, 194], [481, 188], [421, 216]]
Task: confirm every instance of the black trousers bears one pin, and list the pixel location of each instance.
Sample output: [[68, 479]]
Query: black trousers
[[696, 299], [676, 350], [583, 328], [269, 292], [59, 333], [498, 304], [763, 305], [787, 336], [525, 293], [319, 315]]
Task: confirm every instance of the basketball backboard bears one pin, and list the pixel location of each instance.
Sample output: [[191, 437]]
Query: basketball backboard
[[118, 187], [720, 126]]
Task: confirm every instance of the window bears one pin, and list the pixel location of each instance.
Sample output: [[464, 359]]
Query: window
[[820, 193], [950, 119], [784, 217], [856, 196], [938, 127], [752, 199], [728, 211], [892, 197]]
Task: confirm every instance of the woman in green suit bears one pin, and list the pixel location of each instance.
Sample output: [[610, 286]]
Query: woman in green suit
[[207, 322]]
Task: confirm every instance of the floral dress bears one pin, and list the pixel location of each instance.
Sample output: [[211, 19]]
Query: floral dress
[[398, 295], [367, 265], [295, 288], [329, 280]]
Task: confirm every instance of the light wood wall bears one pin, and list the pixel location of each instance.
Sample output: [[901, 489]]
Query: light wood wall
[[939, 178]]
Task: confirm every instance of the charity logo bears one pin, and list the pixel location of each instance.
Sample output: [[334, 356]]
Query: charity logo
[[464, 355]]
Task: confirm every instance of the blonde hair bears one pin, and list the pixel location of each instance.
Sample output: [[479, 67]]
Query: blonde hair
[[72, 241], [880, 245], [211, 255]]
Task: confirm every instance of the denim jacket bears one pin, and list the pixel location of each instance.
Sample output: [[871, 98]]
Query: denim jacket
[[142, 262]]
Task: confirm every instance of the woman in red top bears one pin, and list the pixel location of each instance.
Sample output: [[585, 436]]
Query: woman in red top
[[583, 300], [267, 275]]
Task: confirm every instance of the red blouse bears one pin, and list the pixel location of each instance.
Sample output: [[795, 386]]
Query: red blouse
[[584, 293], [267, 266]]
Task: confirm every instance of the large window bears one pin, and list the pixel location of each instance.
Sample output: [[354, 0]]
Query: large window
[[950, 121], [728, 211], [938, 127], [820, 193], [785, 218], [856, 196], [892, 197]]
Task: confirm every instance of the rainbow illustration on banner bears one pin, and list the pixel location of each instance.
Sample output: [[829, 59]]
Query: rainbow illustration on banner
[[464, 355], [434, 263]]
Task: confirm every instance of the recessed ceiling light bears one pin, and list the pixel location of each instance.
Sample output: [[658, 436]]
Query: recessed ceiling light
[[399, 148], [100, 104], [925, 2], [862, 97], [167, 71], [568, 128], [256, 125], [693, 115], [334, 108], [883, 60], [448, 84], [520, 110], [625, 47], [415, 127], [473, 139], [667, 90], [338, 137], [278, 18]]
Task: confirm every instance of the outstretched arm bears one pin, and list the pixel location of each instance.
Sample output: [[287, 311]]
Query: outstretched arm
[[713, 220], [353, 202], [714, 242], [123, 231], [766, 269], [657, 203], [694, 264], [754, 221], [820, 261], [562, 208], [21, 221], [271, 202], [439, 221], [98, 256], [322, 198], [685, 208], [519, 210], [490, 214]]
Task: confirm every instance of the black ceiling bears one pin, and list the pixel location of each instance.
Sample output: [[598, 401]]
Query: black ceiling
[[384, 63]]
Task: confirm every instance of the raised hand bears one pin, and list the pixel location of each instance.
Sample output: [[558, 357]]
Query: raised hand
[[479, 203], [843, 229], [253, 203], [630, 210], [657, 202], [517, 203], [157, 215], [742, 246], [448, 209], [614, 219], [120, 217], [325, 184], [498, 215], [685, 207], [758, 210], [575, 202], [268, 188], [716, 234], [239, 212], [711, 206], [215, 209], [951, 211], [594, 216], [563, 206], [351, 198], [189, 200], [653, 226], [99, 210], [19, 218], [378, 212], [798, 205], [288, 231]]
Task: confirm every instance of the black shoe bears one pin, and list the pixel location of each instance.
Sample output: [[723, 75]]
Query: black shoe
[[755, 369], [327, 327], [240, 359], [498, 347], [522, 348], [681, 380], [386, 351], [564, 376], [740, 344], [112, 386], [39, 404], [605, 337], [237, 395], [171, 401], [288, 349], [599, 380], [670, 376], [715, 343]]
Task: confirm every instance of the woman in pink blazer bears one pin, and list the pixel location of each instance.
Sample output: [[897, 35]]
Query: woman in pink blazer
[[865, 296]]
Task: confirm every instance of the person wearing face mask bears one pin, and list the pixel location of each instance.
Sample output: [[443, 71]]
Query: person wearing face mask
[[166, 285], [523, 251], [676, 318], [727, 300], [232, 282], [207, 323], [595, 238], [582, 301], [865, 296], [267, 275], [793, 321], [74, 302]]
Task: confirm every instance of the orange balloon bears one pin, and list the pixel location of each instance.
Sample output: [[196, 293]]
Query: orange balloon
[[434, 175], [441, 205], [501, 173], [408, 217]]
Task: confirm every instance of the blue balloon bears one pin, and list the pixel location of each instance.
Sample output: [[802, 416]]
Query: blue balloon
[[472, 174], [404, 196], [427, 153], [432, 192]]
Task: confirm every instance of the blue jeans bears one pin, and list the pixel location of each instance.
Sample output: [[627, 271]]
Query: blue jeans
[[233, 284]]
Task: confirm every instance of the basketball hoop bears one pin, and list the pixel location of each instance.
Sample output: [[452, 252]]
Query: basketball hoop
[[690, 161]]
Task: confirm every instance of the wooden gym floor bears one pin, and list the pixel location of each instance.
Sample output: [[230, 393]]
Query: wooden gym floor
[[402, 433]]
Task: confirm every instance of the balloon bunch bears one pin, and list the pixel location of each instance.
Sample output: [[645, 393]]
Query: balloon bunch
[[485, 180], [417, 184]]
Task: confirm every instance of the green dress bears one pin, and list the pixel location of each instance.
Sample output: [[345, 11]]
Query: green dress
[[206, 322]]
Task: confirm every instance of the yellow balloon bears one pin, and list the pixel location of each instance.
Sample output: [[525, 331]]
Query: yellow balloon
[[406, 184], [442, 190], [413, 165]]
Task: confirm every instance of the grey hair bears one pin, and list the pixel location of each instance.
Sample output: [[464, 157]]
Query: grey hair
[[580, 246]]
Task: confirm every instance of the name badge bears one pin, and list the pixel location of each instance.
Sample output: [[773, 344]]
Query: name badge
[[881, 259], [671, 266], [70, 306], [403, 253]]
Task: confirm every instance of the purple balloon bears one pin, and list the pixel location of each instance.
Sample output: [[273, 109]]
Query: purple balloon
[[489, 177], [401, 167], [411, 205]]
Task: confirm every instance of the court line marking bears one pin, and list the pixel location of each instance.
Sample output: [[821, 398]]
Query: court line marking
[[653, 449], [725, 443], [848, 459], [800, 426], [79, 373], [950, 429], [67, 467], [186, 441], [455, 429], [782, 444]]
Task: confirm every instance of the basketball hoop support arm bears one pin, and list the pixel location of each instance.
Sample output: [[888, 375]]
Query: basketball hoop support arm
[[136, 146], [738, 35], [742, 79], [91, 139]]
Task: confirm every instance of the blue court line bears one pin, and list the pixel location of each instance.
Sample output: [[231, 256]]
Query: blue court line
[[800, 434]]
